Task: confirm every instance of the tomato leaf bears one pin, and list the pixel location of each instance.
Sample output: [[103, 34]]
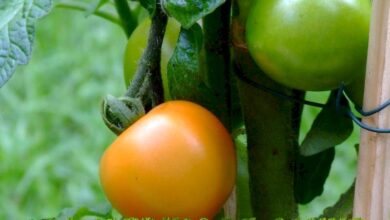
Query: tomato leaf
[[330, 128], [189, 12], [342, 209], [17, 28], [311, 173], [149, 5], [102, 212], [185, 77]]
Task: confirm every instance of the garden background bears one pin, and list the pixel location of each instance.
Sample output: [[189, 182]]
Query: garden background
[[51, 132]]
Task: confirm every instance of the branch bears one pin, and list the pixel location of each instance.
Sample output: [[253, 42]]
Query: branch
[[216, 28], [149, 64], [83, 7], [146, 89], [128, 21]]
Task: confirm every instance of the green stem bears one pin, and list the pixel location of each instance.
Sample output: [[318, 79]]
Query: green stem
[[271, 124], [83, 7], [128, 20], [271, 152], [146, 89], [216, 28], [149, 64]]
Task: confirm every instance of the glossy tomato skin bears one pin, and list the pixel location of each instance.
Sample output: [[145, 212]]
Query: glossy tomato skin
[[309, 44], [176, 161], [137, 44]]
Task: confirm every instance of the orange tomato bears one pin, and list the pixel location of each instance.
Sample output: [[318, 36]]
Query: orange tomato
[[176, 161]]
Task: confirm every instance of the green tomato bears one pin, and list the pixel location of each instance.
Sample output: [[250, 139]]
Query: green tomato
[[309, 44], [137, 44]]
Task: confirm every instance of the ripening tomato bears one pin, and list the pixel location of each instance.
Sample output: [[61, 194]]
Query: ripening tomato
[[137, 44], [309, 44], [176, 161]]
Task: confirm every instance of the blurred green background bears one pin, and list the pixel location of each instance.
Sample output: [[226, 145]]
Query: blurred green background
[[51, 133]]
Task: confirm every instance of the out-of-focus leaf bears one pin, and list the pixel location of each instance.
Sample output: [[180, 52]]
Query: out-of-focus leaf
[[190, 11], [102, 212], [330, 128], [17, 28], [311, 173], [149, 5], [94, 6], [186, 80], [343, 207]]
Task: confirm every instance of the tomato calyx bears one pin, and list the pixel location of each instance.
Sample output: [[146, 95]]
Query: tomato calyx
[[120, 113]]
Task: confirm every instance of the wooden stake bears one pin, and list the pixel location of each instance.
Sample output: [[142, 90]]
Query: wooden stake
[[372, 194]]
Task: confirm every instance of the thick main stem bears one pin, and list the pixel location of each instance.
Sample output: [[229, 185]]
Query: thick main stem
[[271, 153], [271, 125], [216, 28]]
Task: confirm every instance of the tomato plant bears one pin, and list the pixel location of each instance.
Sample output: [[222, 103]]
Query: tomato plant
[[241, 69], [176, 161], [136, 46], [310, 45]]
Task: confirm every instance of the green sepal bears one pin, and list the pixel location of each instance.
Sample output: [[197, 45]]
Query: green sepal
[[119, 113]]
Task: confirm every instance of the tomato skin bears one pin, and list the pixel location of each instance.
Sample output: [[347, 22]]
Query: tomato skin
[[137, 44], [176, 161], [309, 44]]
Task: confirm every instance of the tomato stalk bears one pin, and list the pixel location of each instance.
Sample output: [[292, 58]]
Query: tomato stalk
[[216, 28], [272, 125], [148, 73], [78, 6], [129, 22], [146, 87]]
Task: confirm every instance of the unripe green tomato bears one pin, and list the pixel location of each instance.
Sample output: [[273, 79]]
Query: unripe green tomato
[[309, 44], [137, 44]]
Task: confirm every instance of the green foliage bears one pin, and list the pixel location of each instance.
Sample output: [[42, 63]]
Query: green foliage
[[330, 128], [51, 133], [17, 29], [343, 169], [343, 207], [94, 6], [104, 212], [189, 12], [185, 75], [52, 136], [149, 5], [312, 172]]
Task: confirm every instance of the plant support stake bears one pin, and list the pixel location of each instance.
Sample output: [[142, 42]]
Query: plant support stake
[[372, 193]]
